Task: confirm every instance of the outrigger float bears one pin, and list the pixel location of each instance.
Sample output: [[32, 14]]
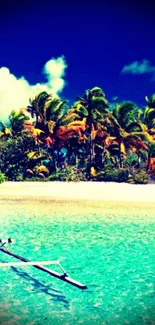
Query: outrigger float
[[38, 265]]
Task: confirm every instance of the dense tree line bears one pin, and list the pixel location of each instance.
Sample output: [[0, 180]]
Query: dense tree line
[[92, 140]]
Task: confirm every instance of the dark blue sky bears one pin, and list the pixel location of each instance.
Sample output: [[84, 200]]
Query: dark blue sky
[[96, 39]]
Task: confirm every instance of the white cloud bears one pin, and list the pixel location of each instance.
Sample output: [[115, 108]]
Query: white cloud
[[55, 68], [139, 67], [15, 92], [55, 71]]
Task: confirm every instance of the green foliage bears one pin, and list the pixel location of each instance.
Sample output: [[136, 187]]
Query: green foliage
[[17, 120], [125, 113], [47, 108], [18, 177], [152, 149], [111, 174], [68, 174], [141, 177], [37, 104], [151, 101], [137, 126], [2, 178], [131, 160], [130, 179], [35, 179], [13, 155], [88, 135]]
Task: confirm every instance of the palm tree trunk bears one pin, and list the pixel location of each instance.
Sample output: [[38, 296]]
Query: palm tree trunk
[[92, 149], [148, 161], [103, 157], [54, 159], [120, 156]]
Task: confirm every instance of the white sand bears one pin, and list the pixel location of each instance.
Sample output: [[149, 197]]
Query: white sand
[[120, 192]]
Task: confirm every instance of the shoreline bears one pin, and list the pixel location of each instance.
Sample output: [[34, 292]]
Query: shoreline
[[78, 201], [81, 190], [94, 193]]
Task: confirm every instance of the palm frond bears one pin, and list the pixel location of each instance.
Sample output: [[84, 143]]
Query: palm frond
[[81, 109], [125, 113], [137, 126], [100, 102], [144, 135], [68, 118], [149, 117], [151, 102]]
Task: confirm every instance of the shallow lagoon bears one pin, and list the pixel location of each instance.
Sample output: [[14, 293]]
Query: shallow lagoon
[[110, 250]]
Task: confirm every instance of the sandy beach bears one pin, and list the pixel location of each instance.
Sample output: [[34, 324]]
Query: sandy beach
[[101, 191], [94, 195]]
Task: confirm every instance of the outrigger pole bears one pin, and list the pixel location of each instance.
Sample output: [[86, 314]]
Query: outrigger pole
[[64, 277]]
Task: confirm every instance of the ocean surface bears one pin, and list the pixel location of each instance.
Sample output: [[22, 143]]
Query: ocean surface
[[112, 251]]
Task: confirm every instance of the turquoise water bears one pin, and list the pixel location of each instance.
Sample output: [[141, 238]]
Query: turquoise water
[[112, 251]]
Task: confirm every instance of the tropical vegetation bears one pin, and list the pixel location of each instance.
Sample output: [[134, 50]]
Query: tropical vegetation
[[92, 140]]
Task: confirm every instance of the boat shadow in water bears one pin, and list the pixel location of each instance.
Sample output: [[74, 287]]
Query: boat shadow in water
[[55, 295]]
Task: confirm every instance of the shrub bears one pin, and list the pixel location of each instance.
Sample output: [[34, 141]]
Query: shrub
[[68, 174], [2, 178], [19, 178], [122, 175], [35, 179], [131, 179], [141, 177], [13, 155], [111, 174]]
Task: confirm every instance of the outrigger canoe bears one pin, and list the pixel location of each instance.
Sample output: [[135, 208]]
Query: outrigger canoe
[[38, 265]]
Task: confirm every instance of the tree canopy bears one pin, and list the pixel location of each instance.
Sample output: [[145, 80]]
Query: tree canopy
[[89, 140]]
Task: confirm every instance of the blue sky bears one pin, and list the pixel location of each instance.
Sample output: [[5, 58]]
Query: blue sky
[[110, 45]]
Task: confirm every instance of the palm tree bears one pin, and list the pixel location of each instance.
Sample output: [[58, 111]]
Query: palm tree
[[92, 107], [149, 119], [54, 119], [17, 120], [37, 104], [126, 113], [150, 101], [149, 134], [151, 159], [123, 124]]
